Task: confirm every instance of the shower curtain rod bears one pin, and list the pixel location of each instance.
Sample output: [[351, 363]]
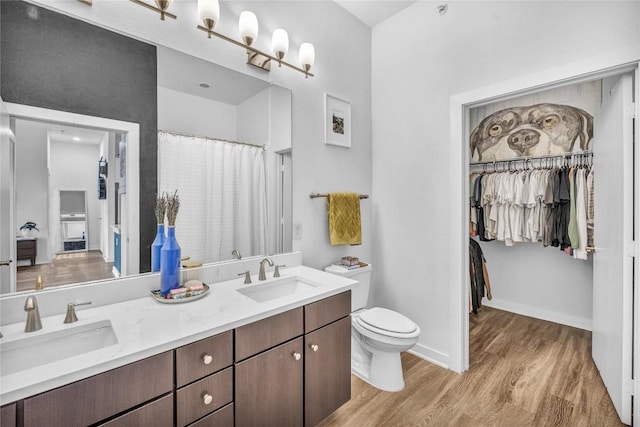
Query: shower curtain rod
[[588, 153], [187, 135]]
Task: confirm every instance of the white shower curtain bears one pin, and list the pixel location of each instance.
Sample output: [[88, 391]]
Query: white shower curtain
[[222, 190]]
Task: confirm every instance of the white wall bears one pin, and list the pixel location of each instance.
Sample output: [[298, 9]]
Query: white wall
[[184, 113], [342, 68], [253, 119], [32, 183], [420, 59]]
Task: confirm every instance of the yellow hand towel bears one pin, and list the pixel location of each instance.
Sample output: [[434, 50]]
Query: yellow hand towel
[[344, 219]]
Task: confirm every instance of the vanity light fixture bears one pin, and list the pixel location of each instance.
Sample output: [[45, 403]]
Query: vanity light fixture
[[280, 44], [160, 7], [209, 14]]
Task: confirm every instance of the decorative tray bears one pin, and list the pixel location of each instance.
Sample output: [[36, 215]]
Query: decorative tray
[[157, 295]]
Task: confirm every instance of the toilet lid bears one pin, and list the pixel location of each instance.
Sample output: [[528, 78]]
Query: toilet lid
[[387, 320]]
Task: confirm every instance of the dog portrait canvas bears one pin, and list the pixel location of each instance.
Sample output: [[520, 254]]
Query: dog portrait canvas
[[535, 130]]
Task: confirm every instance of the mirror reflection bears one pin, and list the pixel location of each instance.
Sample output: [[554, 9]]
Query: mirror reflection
[[237, 126]]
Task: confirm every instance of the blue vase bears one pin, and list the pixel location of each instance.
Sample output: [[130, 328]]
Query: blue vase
[[170, 263], [156, 246]]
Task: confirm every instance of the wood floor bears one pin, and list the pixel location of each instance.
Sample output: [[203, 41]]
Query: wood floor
[[523, 372], [74, 267]]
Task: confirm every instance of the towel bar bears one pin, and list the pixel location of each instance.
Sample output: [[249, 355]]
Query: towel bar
[[316, 195]]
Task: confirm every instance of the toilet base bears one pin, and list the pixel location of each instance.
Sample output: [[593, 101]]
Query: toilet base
[[381, 369]]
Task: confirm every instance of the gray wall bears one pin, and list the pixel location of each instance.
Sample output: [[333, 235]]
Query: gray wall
[[50, 60]]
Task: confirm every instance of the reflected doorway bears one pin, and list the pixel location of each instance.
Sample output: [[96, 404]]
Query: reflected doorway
[[59, 156]]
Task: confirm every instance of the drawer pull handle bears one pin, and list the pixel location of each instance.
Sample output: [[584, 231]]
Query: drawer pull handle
[[207, 398], [207, 359], [314, 347], [296, 355]]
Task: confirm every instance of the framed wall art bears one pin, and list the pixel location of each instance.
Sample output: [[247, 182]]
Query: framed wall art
[[337, 121]]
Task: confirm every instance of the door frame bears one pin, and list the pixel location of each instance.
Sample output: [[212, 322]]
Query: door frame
[[130, 229], [613, 63]]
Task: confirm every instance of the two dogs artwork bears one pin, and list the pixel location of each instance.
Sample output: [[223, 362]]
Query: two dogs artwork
[[536, 130]]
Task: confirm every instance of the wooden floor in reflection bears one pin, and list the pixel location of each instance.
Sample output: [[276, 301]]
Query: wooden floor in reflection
[[523, 372], [75, 267]]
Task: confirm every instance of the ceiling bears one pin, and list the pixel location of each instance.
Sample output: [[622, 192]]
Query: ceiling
[[372, 12], [66, 133], [184, 73]]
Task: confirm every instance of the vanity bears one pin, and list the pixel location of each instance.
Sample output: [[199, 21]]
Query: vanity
[[27, 248], [275, 352]]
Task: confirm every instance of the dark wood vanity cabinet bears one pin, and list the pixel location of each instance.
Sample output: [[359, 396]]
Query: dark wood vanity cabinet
[[306, 372], [327, 357], [269, 371], [290, 369], [102, 396]]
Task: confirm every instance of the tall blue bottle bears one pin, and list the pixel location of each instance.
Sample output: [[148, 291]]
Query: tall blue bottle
[[156, 247], [170, 263]]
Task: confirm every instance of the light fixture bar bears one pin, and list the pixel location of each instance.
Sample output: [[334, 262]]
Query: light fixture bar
[[160, 11], [250, 48]]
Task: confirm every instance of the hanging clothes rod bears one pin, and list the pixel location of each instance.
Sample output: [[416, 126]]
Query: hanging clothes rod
[[212, 139], [316, 195], [587, 153]]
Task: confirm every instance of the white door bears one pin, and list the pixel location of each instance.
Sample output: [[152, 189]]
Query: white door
[[613, 261], [7, 220]]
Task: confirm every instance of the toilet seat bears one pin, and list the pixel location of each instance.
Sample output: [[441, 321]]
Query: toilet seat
[[387, 322]]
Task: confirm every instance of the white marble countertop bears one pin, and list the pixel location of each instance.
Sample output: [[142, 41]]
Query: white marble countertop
[[145, 327]]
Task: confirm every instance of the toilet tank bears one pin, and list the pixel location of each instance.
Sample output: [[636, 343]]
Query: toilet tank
[[360, 292]]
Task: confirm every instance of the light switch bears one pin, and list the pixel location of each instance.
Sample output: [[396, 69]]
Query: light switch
[[297, 231]]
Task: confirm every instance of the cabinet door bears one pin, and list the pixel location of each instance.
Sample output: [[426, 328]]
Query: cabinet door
[[8, 415], [258, 336], [321, 313], [327, 370], [269, 387]]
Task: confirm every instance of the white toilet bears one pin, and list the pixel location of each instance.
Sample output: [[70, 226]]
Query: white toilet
[[378, 335]]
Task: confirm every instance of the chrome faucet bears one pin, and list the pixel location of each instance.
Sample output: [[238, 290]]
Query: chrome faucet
[[261, 274], [236, 254], [33, 314]]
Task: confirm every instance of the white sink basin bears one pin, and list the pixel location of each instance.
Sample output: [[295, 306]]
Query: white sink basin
[[35, 350], [267, 291]]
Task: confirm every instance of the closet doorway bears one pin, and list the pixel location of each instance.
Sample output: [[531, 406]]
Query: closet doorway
[[611, 282]]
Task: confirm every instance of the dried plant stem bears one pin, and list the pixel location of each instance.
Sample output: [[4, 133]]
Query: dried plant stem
[[173, 206], [161, 208]]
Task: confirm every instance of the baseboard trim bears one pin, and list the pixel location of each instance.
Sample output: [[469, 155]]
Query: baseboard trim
[[540, 313], [430, 355]]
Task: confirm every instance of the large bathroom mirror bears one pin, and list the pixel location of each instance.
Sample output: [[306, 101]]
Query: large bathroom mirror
[[197, 101]]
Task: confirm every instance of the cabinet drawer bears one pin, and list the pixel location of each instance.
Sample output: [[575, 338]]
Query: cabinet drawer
[[26, 244], [191, 360], [96, 398], [191, 399], [158, 413], [8, 415], [221, 418], [323, 312], [264, 334]]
